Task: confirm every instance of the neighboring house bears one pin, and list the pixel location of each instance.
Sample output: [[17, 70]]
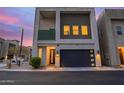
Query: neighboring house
[[111, 36], [11, 48], [66, 37], [8, 47], [1, 47]]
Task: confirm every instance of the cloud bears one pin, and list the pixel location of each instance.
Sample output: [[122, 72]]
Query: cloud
[[15, 21], [18, 16], [8, 19], [12, 34]]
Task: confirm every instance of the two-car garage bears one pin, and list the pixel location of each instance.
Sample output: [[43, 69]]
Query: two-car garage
[[77, 58]]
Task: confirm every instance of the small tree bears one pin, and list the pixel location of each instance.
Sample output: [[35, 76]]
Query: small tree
[[35, 62]]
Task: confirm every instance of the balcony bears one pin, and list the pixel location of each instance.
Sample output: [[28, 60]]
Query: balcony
[[46, 34]]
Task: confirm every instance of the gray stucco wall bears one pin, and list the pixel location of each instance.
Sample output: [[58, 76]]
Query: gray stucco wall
[[46, 23], [108, 41], [67, 43], [119, 38], [103, 39]]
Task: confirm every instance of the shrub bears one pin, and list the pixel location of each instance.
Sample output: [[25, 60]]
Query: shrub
[[35, 62], [9, 56], [2, 58]]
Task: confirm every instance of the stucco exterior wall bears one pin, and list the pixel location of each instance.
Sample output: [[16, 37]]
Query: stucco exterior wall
[[92, 43], [46, 23], [110, 41]]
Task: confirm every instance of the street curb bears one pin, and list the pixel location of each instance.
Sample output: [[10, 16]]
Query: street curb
[[60, 70]]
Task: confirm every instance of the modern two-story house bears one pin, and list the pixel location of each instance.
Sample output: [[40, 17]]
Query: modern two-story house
[[111, 36], [66, 37]]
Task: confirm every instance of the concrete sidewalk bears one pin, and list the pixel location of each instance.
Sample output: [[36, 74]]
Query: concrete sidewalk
[[2, 65], [27, 67]]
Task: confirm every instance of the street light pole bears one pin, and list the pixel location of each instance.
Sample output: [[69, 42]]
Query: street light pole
[[22, 34], [20, 52]]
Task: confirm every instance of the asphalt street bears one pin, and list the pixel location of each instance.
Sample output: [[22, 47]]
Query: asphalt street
[[62, 78]]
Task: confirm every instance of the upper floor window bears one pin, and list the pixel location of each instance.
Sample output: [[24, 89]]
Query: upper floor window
[[66, 29], [75, 30], [84, 30], [119, 30]]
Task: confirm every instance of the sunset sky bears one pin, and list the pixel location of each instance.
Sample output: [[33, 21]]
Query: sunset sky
[[12, 18]]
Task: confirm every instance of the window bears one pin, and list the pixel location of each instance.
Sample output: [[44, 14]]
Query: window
[[119, 30], [84, 30], [66, 29], [75, 30], [40, 52]]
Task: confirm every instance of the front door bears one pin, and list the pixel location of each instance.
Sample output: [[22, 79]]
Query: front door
[[121, 56], [52, 56]]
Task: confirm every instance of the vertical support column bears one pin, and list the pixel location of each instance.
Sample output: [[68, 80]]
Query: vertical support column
[[34, 50], [57, 57], [43, 63], [57, 26], [95, 38], [35, 34]]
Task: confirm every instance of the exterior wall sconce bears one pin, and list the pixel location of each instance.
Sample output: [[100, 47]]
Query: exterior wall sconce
[[98, 56], [57, 53], [97, 51]]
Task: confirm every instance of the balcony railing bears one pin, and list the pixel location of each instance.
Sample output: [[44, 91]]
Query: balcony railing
[[46, 34]]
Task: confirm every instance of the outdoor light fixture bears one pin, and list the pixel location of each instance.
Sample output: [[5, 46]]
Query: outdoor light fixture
[[57, 53], [92, 64], [98, 56], [97, 51]]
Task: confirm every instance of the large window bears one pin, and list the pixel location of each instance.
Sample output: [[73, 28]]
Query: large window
[[84, 30], [119, 30], [75, 30], [66, 29]]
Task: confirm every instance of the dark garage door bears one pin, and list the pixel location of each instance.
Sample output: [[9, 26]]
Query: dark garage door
[[76, 58]]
